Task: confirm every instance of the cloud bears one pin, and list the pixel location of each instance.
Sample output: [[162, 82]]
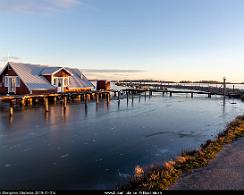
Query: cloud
[[37, 5], [112, 74], [111, 71], [10, 58]]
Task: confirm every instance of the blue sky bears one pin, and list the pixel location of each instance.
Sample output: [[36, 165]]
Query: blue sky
[[163, 39]]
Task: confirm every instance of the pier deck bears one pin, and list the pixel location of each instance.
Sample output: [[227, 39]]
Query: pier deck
[[44, 99]]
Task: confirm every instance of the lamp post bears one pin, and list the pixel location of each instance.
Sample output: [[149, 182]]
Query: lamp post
[[224, 86]]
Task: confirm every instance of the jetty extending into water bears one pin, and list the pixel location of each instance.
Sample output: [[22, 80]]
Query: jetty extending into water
[[236, 93]]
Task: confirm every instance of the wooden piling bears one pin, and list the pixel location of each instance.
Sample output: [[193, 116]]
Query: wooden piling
[[89, 96], [30, 101], [84, 97], [79, 97], [36, 100], [170, 94], [97, 98], [119, 95], [191, 95], [46, 104], [108, 97], [22, 102], [54, 99]]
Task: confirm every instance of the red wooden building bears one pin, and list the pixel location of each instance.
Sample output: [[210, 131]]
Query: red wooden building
[[103, 85], [20, 78]]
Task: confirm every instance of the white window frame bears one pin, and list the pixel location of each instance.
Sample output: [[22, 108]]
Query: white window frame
[[17, 81], [66, 79], [63, 81], [6, 80]]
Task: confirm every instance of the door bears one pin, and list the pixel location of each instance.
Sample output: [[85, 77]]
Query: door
[[61, 84], [11, 85]]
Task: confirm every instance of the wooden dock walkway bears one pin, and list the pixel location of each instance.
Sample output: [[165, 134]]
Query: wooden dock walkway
[[45, 99], [165, 91], [236, 93]]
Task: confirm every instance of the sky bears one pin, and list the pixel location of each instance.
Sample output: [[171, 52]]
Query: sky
[[128, 39]]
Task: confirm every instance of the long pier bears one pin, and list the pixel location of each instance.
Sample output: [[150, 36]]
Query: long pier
[[164, 91], [237, 93]]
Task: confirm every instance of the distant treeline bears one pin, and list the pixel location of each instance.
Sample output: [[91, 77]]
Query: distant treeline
[[214, 82], [148, 80], [203, 81], [183, 81]]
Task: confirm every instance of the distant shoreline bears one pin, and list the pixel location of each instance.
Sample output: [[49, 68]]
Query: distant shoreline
[[161, 81]]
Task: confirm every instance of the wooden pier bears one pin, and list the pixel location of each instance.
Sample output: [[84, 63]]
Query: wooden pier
[[232, 93], [165, 92], [45, 99]]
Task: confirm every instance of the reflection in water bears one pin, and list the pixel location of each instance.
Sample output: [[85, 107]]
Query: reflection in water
[[108, 105], [22, 108], [132, 102], [46, 116], [97, 106], [86, 108], [11, 119], [224, 102], [65, 112], [118, 104]]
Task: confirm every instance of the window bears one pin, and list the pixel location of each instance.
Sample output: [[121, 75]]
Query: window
[[60, 81], [13, 78], [17, 82], [65, 81], [5, 81], [55, 82]]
